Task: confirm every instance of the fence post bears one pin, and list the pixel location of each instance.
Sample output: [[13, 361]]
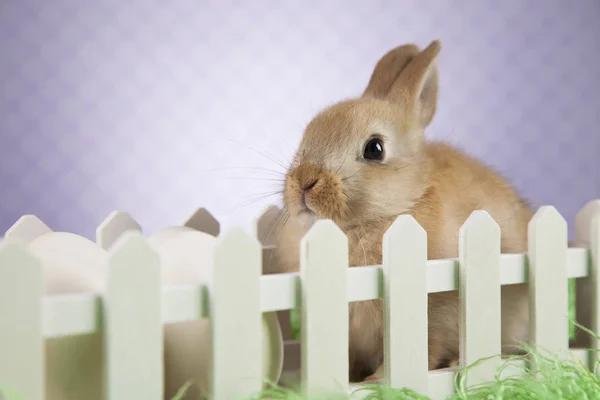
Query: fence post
[[21, 341], [324, 312], [265, 228], [587, 301], [405, 302], [480, 294], [133, 330], [202, 220], [115, 225], [27, 228], [235, 316], [595, 281], [548, 284]]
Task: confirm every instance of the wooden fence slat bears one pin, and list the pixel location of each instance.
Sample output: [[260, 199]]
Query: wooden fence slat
[[585, 290], [202, 220], [265, 229], [237, 341], [113, 227], [27, 228], [595, 275], [548, 285], [132, 321], [480, 295], [595, 281], [405, 283], [21, 341], [324, 311]]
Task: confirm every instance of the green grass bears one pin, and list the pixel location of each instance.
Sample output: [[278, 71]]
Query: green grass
[[181, 392], [8, 393], [572, 283]]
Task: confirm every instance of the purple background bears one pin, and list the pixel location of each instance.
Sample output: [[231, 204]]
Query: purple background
[[152, 107]]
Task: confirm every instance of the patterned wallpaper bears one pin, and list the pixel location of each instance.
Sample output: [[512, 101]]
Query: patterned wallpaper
[[156, 107]]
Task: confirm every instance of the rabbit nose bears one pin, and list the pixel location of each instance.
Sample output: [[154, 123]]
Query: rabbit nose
[[306, 188]]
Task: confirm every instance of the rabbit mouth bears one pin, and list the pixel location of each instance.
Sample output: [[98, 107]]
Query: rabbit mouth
[[306, 213], [304, 207]]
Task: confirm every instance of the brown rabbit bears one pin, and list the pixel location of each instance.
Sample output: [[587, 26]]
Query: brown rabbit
[[364, 161]]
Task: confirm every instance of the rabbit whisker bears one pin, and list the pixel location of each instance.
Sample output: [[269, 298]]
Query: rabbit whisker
[[273, 159], [342, 163], [260, 169], [253, 200], [360, 239], [352, 176]]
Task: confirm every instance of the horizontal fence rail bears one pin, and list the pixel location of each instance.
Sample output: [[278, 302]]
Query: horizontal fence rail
[[80, 314]]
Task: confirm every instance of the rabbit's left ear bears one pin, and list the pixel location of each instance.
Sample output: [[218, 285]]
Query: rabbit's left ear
[[416, 88], [388, 69]]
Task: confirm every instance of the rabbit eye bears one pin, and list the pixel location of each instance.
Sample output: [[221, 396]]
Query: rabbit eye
[[374, 150]]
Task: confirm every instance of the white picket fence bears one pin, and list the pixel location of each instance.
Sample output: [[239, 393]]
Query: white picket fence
[[135, 305]]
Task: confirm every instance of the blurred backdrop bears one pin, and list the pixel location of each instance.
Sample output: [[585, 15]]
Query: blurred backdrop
[[157, 108]]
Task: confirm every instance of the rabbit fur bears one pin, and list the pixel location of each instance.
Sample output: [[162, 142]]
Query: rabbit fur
[[439, 185]]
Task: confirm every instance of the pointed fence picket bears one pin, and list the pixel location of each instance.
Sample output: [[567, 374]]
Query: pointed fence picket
[[479, 293], [235, 314], [133, 321], [27, 228], [595, 284], [324, 313], [266, 227], [115, 225], [202, 220], [587, 289], [548, 285], [405, 302], [21, 344]]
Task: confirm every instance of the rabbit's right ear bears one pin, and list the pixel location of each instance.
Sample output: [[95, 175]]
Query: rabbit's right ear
[[416, 88], [388, 69]]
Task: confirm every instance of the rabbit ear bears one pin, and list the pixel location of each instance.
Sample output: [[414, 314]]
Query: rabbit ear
[[388, 69], [416, 87]]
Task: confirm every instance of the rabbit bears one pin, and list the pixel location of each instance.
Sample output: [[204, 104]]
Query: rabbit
[[363, 162]]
